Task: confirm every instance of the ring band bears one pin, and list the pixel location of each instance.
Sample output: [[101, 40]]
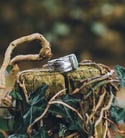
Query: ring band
[[63, 64]]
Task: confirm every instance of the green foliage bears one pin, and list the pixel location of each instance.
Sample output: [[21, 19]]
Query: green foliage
[[3, 124], [15, 94], [121, 74], [38, 97], [69, 121], [9, 68], [18, 136], [62, 130], [37, 104], [117, 114]]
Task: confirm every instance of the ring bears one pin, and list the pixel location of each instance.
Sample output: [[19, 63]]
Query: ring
[[63, 64]]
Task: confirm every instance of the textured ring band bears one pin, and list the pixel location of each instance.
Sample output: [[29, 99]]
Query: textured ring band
[[63, 64]]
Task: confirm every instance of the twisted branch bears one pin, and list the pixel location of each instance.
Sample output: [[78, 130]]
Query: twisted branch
[[45, 52]]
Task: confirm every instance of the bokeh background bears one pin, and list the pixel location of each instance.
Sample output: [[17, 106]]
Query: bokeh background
[[92, 29]]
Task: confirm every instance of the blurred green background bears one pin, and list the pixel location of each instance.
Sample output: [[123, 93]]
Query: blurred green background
[[92, 29]]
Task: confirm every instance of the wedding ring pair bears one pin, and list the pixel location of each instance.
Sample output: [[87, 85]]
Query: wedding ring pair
[[63, 64]]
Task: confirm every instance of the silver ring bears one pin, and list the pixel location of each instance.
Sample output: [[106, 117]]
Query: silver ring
[[63, 64]]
